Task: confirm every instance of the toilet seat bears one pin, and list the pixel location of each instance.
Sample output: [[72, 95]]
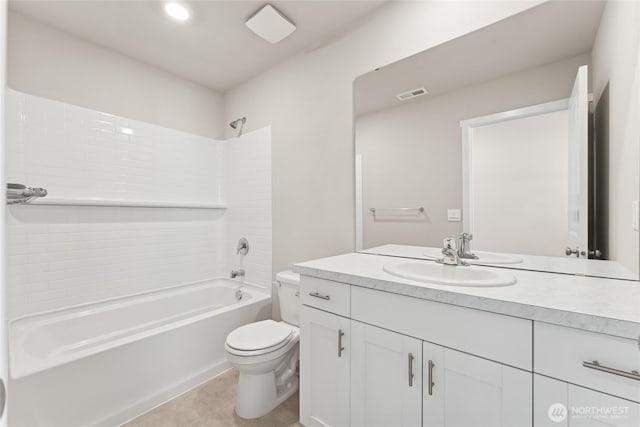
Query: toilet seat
[[259, 338]]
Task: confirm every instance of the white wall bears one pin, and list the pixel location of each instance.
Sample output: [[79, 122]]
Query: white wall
[[60, 256], [46, 62], [412, 153], [308, 102], [616, 60]]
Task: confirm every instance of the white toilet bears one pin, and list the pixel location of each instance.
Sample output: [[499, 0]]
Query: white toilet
[[266, 354]]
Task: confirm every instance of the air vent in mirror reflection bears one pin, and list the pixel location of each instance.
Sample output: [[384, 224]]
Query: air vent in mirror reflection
[[411, 94]]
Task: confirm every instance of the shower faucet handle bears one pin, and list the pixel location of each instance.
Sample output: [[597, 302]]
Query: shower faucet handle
[[243, 247]]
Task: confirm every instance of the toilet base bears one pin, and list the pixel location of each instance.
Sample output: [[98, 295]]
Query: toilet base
[[258, 394], [266, 380]]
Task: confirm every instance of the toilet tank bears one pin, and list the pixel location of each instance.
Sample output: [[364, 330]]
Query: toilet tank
[[289, 296]]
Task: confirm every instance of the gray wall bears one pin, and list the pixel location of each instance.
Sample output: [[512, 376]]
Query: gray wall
[[412, 154], [46, 62], [616, 60], [308, 101]]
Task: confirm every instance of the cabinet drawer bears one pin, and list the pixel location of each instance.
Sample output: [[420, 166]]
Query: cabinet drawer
[[562, 352], [326, 295], [504, 339]]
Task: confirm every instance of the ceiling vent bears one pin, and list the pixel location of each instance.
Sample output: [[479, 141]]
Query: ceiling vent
[[412, 94], [270, 24]]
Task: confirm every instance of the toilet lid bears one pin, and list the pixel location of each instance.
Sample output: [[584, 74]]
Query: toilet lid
[[259, 335]]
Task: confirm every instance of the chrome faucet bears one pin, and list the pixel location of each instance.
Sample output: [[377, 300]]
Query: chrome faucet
[[450, 254], [237, 273], [464, 251]]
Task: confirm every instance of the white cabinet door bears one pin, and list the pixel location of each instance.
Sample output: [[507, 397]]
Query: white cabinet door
[[560, 404], [470, 391], [324, 368], [386, 378]]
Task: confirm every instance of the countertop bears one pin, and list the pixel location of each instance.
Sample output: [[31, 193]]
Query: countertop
[[606, 306], [566, 265]]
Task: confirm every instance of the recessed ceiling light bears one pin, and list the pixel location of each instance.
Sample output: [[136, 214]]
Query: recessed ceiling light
[[177, 11], [270, 24]]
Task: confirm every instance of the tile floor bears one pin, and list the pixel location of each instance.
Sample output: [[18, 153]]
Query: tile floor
[[212, 405]]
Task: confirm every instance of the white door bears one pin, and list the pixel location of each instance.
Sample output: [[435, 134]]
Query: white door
[[578, 164], [324, 374], [4, 367], [468, 391], [386, 378], [560, 404]]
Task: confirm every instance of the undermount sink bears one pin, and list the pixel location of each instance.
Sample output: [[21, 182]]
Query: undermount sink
[[431, 272], [483, 257]]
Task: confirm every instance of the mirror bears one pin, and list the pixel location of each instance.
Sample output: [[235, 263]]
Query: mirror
[[525, 140]]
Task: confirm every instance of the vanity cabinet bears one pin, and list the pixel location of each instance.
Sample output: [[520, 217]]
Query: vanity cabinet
[[588, 359], [409, 361], [585, 378], [561, 404], [465, 390], [324, 368], [386, 378], [389, 357]]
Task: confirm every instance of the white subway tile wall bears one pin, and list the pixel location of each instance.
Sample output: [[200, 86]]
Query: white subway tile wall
[[247, 192], [60, 256]]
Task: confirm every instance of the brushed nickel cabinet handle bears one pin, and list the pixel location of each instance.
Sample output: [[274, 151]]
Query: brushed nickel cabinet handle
[[340, 347], [430, 382], [634, 375], [410, 370], [318, 295]]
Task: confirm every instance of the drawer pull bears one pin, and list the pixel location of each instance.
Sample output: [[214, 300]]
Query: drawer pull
[[410, 369], [430, 382], [634, 375], [340, 347], [318, 295]]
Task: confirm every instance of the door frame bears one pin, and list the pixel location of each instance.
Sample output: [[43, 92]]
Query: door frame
[[4, 346]]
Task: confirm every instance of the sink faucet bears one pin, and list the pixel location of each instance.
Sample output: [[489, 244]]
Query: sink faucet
[[237, 273], [450, 254], [464, 251]]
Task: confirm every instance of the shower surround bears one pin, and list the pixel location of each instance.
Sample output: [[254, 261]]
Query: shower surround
[[63, 254]]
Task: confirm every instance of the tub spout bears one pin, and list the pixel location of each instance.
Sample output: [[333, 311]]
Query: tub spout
[[237, 273]]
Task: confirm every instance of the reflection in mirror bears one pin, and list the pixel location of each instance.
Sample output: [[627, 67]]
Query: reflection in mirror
[[526, 140], [516, 163]]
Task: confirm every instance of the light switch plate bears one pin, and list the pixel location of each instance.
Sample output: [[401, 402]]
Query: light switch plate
[[634, 215], [454, 215]]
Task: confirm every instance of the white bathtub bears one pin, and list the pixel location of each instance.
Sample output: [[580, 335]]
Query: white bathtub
[[102, 363]]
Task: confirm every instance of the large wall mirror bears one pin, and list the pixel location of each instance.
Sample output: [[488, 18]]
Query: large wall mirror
[[524, 136]]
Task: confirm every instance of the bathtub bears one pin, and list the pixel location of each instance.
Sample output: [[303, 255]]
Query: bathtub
[[103, 363]]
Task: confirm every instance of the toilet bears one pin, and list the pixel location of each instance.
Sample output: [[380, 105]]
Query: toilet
[[266, 354]]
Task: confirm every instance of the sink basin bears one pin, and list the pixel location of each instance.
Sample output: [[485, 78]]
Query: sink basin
[[431, 272], [483, 257]]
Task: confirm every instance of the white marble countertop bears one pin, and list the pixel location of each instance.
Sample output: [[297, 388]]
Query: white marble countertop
[[600, 305]]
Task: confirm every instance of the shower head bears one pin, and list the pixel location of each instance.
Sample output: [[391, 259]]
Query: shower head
[[241, 120], [234, 124]]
